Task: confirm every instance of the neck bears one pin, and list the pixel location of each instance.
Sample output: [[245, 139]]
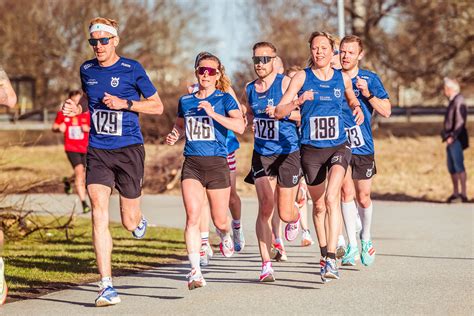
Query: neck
[[205, 92], [324, 72], [352, 72], [109, 62], [267, 81]]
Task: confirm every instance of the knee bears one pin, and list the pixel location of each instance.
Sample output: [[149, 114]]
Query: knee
[[319, 208], [347, 194], [364, 200], [192, 220], [331, 200]]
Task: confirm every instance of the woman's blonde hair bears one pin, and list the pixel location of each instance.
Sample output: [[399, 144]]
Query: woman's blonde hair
[[223, 83]]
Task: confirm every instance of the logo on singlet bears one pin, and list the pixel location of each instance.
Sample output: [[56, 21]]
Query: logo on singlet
[[114, 82], [270, 102], [337, 93], [356, 92]]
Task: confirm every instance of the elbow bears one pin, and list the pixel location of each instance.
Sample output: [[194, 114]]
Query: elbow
[[158, 110], [387, 113], [241, 128]]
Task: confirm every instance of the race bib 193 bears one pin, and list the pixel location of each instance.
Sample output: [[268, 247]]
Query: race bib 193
[[200, 128], [354, 134], [75, 132], [324, 127], [108, 122], [267, 129]]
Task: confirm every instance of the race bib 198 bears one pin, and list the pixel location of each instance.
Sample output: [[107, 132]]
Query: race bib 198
[[108, 122], [324, 127], [267, 129], [200, 128], [354, 134], [75, 132]]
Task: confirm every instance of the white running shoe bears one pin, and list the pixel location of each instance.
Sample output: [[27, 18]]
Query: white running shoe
[[205, 254], [227, 247], [306, 239], [195, 279], [267, 272], [292, 229]]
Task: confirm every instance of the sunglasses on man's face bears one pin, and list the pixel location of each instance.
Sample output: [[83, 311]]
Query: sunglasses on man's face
[[210, 71], [262, 59], [103, 40]]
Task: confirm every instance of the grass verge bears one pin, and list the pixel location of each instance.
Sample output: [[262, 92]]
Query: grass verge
[[43, 263]]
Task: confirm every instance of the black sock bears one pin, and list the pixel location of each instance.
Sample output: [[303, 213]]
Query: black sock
[[331, 255], [324, 251]]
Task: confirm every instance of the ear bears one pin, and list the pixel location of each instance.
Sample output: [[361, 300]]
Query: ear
[[361, 55], [116, 41]]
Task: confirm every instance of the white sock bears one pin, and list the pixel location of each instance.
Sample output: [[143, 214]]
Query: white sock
[[279, 241], [105, 282], [194, 260], [349, 212], [366, 218], [236, 223], [341, 241], [204, 237], [358, 223]]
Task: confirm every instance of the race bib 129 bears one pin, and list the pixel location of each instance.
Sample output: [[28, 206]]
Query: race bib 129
[[108, 122]]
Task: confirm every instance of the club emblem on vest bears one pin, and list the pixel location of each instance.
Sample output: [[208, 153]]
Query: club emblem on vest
[[336, 159], [356, 92], [295, 179], [115, 82], [337, 93], [368, 174], [270, 102]]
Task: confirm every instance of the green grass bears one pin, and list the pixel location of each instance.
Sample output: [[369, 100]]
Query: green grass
[[38, 264]]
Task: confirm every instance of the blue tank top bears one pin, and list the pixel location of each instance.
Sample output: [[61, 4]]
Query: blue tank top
[[272, 137], [232, 143], [360, 137], [126, 79], [321, 119], [205, 136]]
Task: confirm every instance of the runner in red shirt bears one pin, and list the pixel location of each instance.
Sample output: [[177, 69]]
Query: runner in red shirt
[[76, 138]]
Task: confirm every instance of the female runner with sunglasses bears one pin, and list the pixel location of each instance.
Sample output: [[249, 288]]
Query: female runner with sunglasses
[[205, 118], [235, 205], [324, 147]]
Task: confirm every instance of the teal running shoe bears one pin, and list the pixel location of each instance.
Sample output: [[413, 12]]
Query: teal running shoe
[[368, 253], [350, 256]]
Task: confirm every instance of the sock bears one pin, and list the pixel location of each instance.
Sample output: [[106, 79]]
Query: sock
[[324, 251], [204, 238], [105, 282], [366, 218], [194, 260], [236, 223], [278, 241], [332, 255], [341, 242], [358, 223], [349, 211]]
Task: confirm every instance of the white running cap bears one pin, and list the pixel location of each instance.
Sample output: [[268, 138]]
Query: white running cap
[[103, 27]]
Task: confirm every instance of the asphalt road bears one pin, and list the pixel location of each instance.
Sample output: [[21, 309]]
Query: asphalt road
[[424, 265]]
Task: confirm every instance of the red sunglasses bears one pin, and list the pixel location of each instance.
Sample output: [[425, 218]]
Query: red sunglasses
[[210, 71]]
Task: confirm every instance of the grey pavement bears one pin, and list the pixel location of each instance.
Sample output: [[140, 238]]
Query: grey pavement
[[424, 265]]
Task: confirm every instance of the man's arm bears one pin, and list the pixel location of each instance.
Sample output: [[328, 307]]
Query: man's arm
[[151, 105], [7, 94]]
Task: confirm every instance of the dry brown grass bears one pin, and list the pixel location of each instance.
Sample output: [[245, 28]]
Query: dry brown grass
[[409, 168]]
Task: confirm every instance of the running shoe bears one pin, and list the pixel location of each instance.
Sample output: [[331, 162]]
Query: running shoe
[[267, 272], [140, 231], [331, 269], [454, 198], [205, 254], [85, 207], [368, 253], [3, 283], [107, 296], [306, 239], [67, 186], [292, 229], [195, 279], [352, 253], [278, 253], [464, 199], [322, 270], [238, 237], [227, 247]]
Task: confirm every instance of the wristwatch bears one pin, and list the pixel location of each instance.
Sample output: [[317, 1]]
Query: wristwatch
[[129, 104], [370, 97]]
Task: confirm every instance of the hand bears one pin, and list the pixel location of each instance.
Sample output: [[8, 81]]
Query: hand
[[207, 107], [306, 96], [270, 110], [172, 137], [62, 127], [363, 87], [70, 108], [359, 115], [450, 140], [85, 128], [113, 102]]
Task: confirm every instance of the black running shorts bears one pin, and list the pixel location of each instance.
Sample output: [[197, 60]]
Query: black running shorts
[[76, 158], [363, 167], [286, 168], [122, 168], [316, 162], [211, 171]]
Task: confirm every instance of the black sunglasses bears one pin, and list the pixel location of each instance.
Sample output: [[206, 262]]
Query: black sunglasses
[[262, 59], [103, 40]]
